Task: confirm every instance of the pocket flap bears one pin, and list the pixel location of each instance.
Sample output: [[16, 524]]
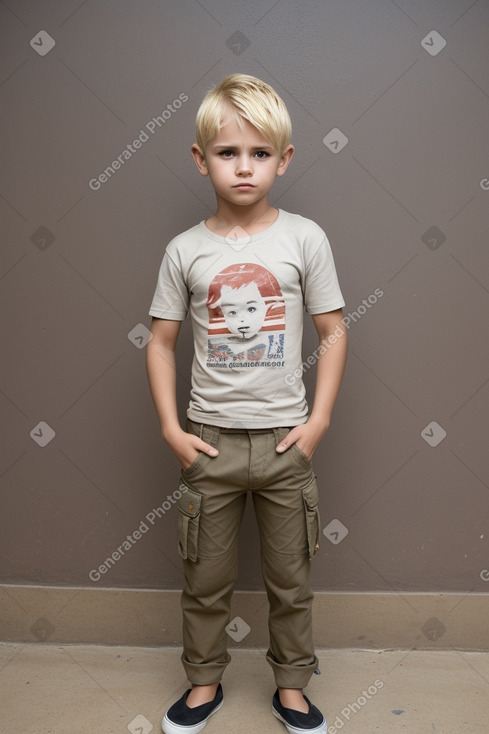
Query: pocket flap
[[190, 501], [310, 494]]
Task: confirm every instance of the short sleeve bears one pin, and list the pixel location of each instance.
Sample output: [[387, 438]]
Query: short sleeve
[[321, 288], [171, 297]]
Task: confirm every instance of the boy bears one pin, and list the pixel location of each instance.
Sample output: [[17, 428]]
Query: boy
[[246, 274]]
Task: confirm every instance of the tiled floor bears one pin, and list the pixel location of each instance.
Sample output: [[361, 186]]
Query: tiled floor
[[86, 689]]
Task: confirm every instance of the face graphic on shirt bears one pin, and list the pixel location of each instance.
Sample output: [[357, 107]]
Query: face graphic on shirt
[[244, 309], [246, 318]]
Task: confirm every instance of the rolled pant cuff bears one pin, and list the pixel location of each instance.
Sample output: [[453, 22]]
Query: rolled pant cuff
[[291, 676], [204, 674]]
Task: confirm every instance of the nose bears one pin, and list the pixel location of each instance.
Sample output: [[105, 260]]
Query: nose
[[243, 167]]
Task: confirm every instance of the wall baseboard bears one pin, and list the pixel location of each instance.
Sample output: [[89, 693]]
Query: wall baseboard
[[361, 620]]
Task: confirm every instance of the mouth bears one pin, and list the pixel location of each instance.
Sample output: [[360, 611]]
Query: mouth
[[244, 186]]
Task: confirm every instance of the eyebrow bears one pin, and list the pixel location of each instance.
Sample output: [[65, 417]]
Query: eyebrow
[[232, 303], [233, 147]]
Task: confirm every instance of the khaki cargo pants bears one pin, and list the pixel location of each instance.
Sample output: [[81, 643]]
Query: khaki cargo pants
[[211, 506]]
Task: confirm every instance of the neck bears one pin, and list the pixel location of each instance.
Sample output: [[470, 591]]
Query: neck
[[254, 218]]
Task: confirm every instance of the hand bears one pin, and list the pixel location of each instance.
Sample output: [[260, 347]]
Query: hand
[[186, 447], [306, 436]]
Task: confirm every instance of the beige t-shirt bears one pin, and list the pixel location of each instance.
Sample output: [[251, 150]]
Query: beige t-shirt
[[246, 297]]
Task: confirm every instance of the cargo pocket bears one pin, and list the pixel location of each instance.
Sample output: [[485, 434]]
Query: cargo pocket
[[188, 522], [310, 496]]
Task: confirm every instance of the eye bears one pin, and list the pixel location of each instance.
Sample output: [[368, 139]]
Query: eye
[[226, 153], [261, 154], [251, 309]]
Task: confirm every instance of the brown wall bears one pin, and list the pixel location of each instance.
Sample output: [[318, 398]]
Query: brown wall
[[405, 206]]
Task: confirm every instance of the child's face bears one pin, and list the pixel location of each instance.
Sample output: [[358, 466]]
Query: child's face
[[242, 164], [243, 309]]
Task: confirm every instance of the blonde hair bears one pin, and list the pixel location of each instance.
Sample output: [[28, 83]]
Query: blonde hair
[[248, 98]]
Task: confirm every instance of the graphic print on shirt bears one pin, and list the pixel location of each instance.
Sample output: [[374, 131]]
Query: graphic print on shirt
[[246, 318]]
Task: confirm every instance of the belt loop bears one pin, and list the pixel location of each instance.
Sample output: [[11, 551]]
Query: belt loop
[[215, 435], [209, 434]]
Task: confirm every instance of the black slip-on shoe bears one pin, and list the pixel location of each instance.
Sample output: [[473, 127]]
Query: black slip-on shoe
[[297, 722], [181, 719]]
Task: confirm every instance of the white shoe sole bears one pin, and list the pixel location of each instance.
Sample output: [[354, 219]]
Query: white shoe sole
[[169, 727], [321, 729]]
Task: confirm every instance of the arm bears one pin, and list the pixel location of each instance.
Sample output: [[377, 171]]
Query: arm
[[329, 373], [161, 370]]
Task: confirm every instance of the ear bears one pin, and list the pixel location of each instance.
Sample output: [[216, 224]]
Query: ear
[[199, 159], [285, 159]]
